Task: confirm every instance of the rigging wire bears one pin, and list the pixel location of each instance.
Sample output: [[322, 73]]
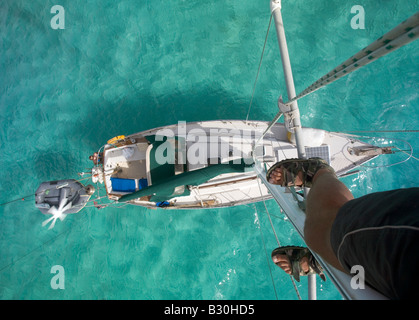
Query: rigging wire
[[267, 213], [404, 151], [266, 253], [390, 131], [260, 64], [276, 236]]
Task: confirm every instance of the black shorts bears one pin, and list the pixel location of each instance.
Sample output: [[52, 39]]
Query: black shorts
[[380, 232]]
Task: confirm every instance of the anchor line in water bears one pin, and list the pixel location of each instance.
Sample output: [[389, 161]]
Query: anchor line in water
[[19, 199]]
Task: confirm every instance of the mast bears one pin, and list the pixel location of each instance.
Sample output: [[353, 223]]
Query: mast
[[289, 80], [296, 125]]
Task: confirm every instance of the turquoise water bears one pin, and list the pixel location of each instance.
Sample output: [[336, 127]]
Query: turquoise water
[[121, 67]]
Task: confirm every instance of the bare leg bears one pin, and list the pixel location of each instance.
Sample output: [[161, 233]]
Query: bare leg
[[324, 200], [284, 263]]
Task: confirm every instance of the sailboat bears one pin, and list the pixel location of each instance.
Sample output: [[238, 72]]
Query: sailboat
[[210, 164], [217, 164]]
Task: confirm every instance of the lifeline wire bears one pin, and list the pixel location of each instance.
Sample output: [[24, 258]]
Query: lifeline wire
[[410, 155]]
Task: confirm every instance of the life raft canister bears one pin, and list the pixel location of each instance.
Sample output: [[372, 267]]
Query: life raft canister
[[115, 139]]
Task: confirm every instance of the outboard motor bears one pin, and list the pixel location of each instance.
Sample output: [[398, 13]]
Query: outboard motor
[[62, 197]]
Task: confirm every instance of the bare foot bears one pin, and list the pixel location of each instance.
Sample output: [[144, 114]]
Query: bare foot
[[282, 261], [277, 178]]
